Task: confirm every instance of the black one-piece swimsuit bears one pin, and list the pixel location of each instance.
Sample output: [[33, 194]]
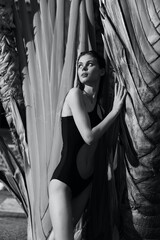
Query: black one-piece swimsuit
[[66, 170]]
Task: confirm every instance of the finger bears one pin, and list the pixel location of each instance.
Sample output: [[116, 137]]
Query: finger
[[123, 90], [119, 90], [124, 94], [115, 89]]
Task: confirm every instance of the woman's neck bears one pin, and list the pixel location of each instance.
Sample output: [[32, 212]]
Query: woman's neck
[[91, 93], [91, 90]]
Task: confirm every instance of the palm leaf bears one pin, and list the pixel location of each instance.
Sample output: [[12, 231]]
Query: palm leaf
[[13, 175], [47, 48], [132, 42], [11, 88]]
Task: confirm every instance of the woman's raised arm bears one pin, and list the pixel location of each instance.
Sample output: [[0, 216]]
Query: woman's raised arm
[[81, 118]]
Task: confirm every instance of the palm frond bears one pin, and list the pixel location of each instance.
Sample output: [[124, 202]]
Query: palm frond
[[11, 87], [47, 49], [13, 176], [129, 39]]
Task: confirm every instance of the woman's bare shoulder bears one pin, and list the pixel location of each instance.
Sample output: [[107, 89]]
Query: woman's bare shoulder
[[73, 94]]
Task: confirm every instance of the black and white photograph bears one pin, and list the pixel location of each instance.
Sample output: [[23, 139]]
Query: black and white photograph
[[79, 119]]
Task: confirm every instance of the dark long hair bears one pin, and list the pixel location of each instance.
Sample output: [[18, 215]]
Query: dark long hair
[[102, 65]]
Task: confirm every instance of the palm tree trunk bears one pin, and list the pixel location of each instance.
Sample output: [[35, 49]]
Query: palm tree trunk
[[132, 43]]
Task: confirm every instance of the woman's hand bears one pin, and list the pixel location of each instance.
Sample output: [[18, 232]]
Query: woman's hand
[[119, 96]]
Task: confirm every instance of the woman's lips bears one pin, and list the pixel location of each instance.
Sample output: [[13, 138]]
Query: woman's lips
[[84, 74]]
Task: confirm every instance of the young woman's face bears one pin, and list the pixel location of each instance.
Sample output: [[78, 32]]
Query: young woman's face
[[88, 69]]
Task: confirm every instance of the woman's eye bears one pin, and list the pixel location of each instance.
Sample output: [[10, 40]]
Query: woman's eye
[[80, 66]]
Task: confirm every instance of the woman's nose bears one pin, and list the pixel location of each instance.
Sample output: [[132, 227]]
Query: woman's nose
[[84, 68]]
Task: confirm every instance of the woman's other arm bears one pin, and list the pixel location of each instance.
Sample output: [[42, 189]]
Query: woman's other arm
[[81, 118]]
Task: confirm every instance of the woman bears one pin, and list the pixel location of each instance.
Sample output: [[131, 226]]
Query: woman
[[82, 127]]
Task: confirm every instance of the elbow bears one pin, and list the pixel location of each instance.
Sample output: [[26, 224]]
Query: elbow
[[89, 139]]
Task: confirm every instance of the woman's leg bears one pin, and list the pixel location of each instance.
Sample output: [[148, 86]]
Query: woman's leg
[[60, 210]]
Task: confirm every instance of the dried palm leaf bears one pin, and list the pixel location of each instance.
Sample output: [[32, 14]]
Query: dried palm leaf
[[11, 87]]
